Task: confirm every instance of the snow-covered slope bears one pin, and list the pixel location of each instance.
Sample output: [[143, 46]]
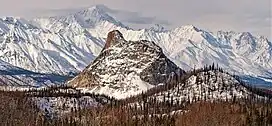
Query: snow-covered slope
[[126, 68], [207, 85], [190, 47], [40, 50], [12, 76], [67, 44], [58, 106]]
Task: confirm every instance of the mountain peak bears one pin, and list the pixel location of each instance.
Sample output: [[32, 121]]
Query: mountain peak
[[100, 7], [158, 28], [113, 38], [12, 20], [186, 28], [97, 8], [190, 27], [95, 12], [96, 16]]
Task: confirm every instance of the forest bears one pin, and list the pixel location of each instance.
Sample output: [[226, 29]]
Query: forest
[[213, 99]]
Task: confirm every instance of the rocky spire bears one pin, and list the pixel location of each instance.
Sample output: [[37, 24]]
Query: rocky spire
[[113, 38], [126, 68]]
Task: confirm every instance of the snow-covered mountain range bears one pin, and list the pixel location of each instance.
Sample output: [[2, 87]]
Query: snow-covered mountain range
[[67, 44]]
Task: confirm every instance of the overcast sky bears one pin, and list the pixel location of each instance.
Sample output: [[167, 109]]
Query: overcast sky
[[237, 15]]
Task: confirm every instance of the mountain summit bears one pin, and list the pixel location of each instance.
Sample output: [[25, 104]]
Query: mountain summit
[[114, 37], [126, 68]]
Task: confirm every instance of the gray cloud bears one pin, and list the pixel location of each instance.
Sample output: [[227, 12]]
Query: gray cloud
[[238, 15]]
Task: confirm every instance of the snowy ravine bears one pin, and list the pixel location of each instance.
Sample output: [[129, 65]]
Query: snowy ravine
[[126, 68]]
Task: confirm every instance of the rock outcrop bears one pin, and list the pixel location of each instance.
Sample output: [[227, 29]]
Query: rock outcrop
[[127, 68]]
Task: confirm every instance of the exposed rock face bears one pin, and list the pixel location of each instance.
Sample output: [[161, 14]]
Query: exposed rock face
[[127, 68], [113, 38]]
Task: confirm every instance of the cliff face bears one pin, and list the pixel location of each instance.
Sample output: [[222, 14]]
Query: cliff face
[[126, 68]]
